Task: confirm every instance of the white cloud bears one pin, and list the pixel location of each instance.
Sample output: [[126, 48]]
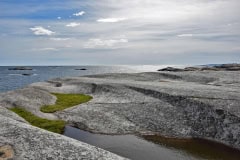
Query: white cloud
[[79, 13], [73, 24], [59, 17], [111, 20], [59, 39], [160, 29], [38, 30], [96, 42], [185, 35]]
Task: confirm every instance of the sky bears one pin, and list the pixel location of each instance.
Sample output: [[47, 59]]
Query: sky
[[119, 32]]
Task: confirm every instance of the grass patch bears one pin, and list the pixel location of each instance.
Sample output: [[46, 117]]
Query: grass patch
[[65, 101], [56, 126]]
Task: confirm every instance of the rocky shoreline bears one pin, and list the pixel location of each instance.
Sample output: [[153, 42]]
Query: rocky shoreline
[[222, 67], [183, 104]]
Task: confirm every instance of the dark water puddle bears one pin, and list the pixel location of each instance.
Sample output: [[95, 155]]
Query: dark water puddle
[[155, 147], [204, 149]]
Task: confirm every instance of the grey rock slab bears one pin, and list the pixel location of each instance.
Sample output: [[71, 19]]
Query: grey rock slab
[[29, 142], [203, 104], [30, 99], [5, 112]]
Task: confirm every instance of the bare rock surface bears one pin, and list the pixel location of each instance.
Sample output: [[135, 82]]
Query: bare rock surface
[[30, 99], [22, 141], [203, 104], [5, 112]]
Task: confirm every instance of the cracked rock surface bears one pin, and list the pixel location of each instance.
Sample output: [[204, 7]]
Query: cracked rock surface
[[203, 104]]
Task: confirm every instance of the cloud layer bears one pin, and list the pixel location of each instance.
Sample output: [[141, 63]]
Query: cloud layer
[[126, 32]]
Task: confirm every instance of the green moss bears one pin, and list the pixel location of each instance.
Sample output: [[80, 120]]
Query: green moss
[[56, 126], [65, 101]]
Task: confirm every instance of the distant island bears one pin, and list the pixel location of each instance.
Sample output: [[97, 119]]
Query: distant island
[[20, 68]]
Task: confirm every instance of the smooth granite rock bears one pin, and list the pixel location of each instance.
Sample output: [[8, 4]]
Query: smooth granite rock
[[202, 104], [21, 141]]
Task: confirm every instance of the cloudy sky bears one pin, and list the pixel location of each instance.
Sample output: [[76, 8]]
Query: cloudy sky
[[106, 32]]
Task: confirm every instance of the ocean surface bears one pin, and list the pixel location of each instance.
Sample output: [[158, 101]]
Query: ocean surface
[[14, 79]]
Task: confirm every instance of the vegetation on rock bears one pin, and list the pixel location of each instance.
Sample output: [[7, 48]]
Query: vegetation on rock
[[56, 126], [65, 101]]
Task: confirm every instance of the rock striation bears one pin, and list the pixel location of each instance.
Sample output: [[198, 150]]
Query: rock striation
[[191, 104]]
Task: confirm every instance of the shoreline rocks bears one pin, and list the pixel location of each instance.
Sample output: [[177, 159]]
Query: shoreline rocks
[[171, 69], [223, 67], [173, 104]]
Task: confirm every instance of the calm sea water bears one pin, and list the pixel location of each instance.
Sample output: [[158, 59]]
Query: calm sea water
[[14, 79]]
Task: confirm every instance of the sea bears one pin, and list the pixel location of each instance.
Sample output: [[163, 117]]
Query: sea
[[14, 79]]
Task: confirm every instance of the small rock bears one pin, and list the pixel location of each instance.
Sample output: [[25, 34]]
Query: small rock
[[82, 69], [27, 74]]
